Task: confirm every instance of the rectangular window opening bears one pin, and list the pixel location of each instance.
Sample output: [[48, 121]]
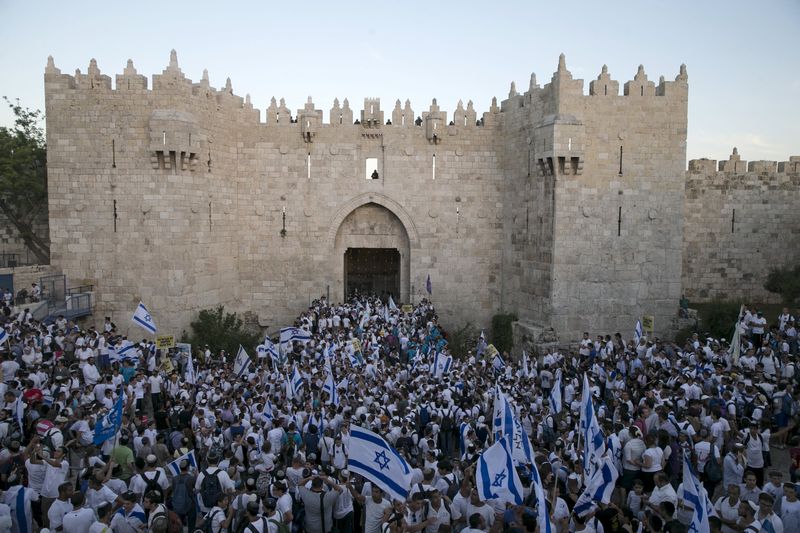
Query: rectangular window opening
[[620, 160], [434, 166], [113, 154], [308, 165], [164, 138], [561, 165], [733, 221], [619, 222], [574, 161], [371, 168]]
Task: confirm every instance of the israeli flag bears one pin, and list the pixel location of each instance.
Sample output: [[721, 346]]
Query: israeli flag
[[525, 370], [599, 488], [365, 317], [637, 332], [441, 364], [190, 376], [593, 438], [108, 425], [289, 335], [392, 305], [122, 352], [696, 495], [268, 413], [175, 466], [386, 313], [143, 319], [462, 437], [373, 458], [496, 476], [556, 395], [481, 344], [295, 381], [498, 362], [3, 335], [241, 363], [503, 416], [543, 517], [330, 387], [271, 349], [19, 413], [522, 452]]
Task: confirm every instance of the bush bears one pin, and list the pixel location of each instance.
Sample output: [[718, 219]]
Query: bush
[[462, 340], [502, 334], [222, 331], [718, 318], [786, 282]]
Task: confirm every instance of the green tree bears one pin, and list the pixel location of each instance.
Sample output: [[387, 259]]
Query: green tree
[[23, 176], [786, 282], [222, 331]]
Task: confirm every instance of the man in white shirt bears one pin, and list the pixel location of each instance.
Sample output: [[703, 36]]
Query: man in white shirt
[[56, 471], [60, 507], [80, 519], [213, 470]]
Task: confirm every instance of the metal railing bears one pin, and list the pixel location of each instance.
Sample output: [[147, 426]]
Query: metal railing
[[79, 289]]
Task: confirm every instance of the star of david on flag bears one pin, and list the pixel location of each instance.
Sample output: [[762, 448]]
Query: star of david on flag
[[496, 476], [375, 459], [143, 319]]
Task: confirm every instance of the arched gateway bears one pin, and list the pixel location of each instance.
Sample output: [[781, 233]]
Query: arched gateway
[[372, 250]]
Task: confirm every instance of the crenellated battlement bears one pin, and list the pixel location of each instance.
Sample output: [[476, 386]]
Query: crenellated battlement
[[735, 166]]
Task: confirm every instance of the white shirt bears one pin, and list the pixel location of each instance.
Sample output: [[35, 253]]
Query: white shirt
[[78, 521]]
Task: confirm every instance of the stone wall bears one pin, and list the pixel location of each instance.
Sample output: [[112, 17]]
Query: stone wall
[[177, 195], [12, 246], [741, 220], [24, 276]]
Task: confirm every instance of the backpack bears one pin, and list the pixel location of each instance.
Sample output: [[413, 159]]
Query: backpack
[[548, 431], [181, 499], [447, 421], [282, 528], [208, 520], [452, 486], [210, 488], [151, 485], [713, 469], [47, 440], [168, 521]]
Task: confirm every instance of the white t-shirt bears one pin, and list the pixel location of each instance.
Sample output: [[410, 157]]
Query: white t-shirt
[[78, 521]]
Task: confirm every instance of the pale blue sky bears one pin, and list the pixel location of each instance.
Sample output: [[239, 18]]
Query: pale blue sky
[[743, 57]]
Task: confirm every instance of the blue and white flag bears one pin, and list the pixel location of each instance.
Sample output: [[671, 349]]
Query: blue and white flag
[[191, 377], [503, 416], [365, 317], [289, 335], [522, 451], [330, 387], [637, 332], [498, 362], [175, 466], [271, 349], [496, 476], [241, 363], [124, 351], [463, 430], [392, 305], [295, 381], [592, 434], [599, 488], [143, 319], [19, 413], [481, 344], [542, 516], [267, 413], [3, 335], [525, 370], [556, 395], [372, 457], [108, 425], [441, 364], [697, 497]]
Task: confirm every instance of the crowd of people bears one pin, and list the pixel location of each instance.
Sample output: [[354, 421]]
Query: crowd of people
[[205, 443]]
